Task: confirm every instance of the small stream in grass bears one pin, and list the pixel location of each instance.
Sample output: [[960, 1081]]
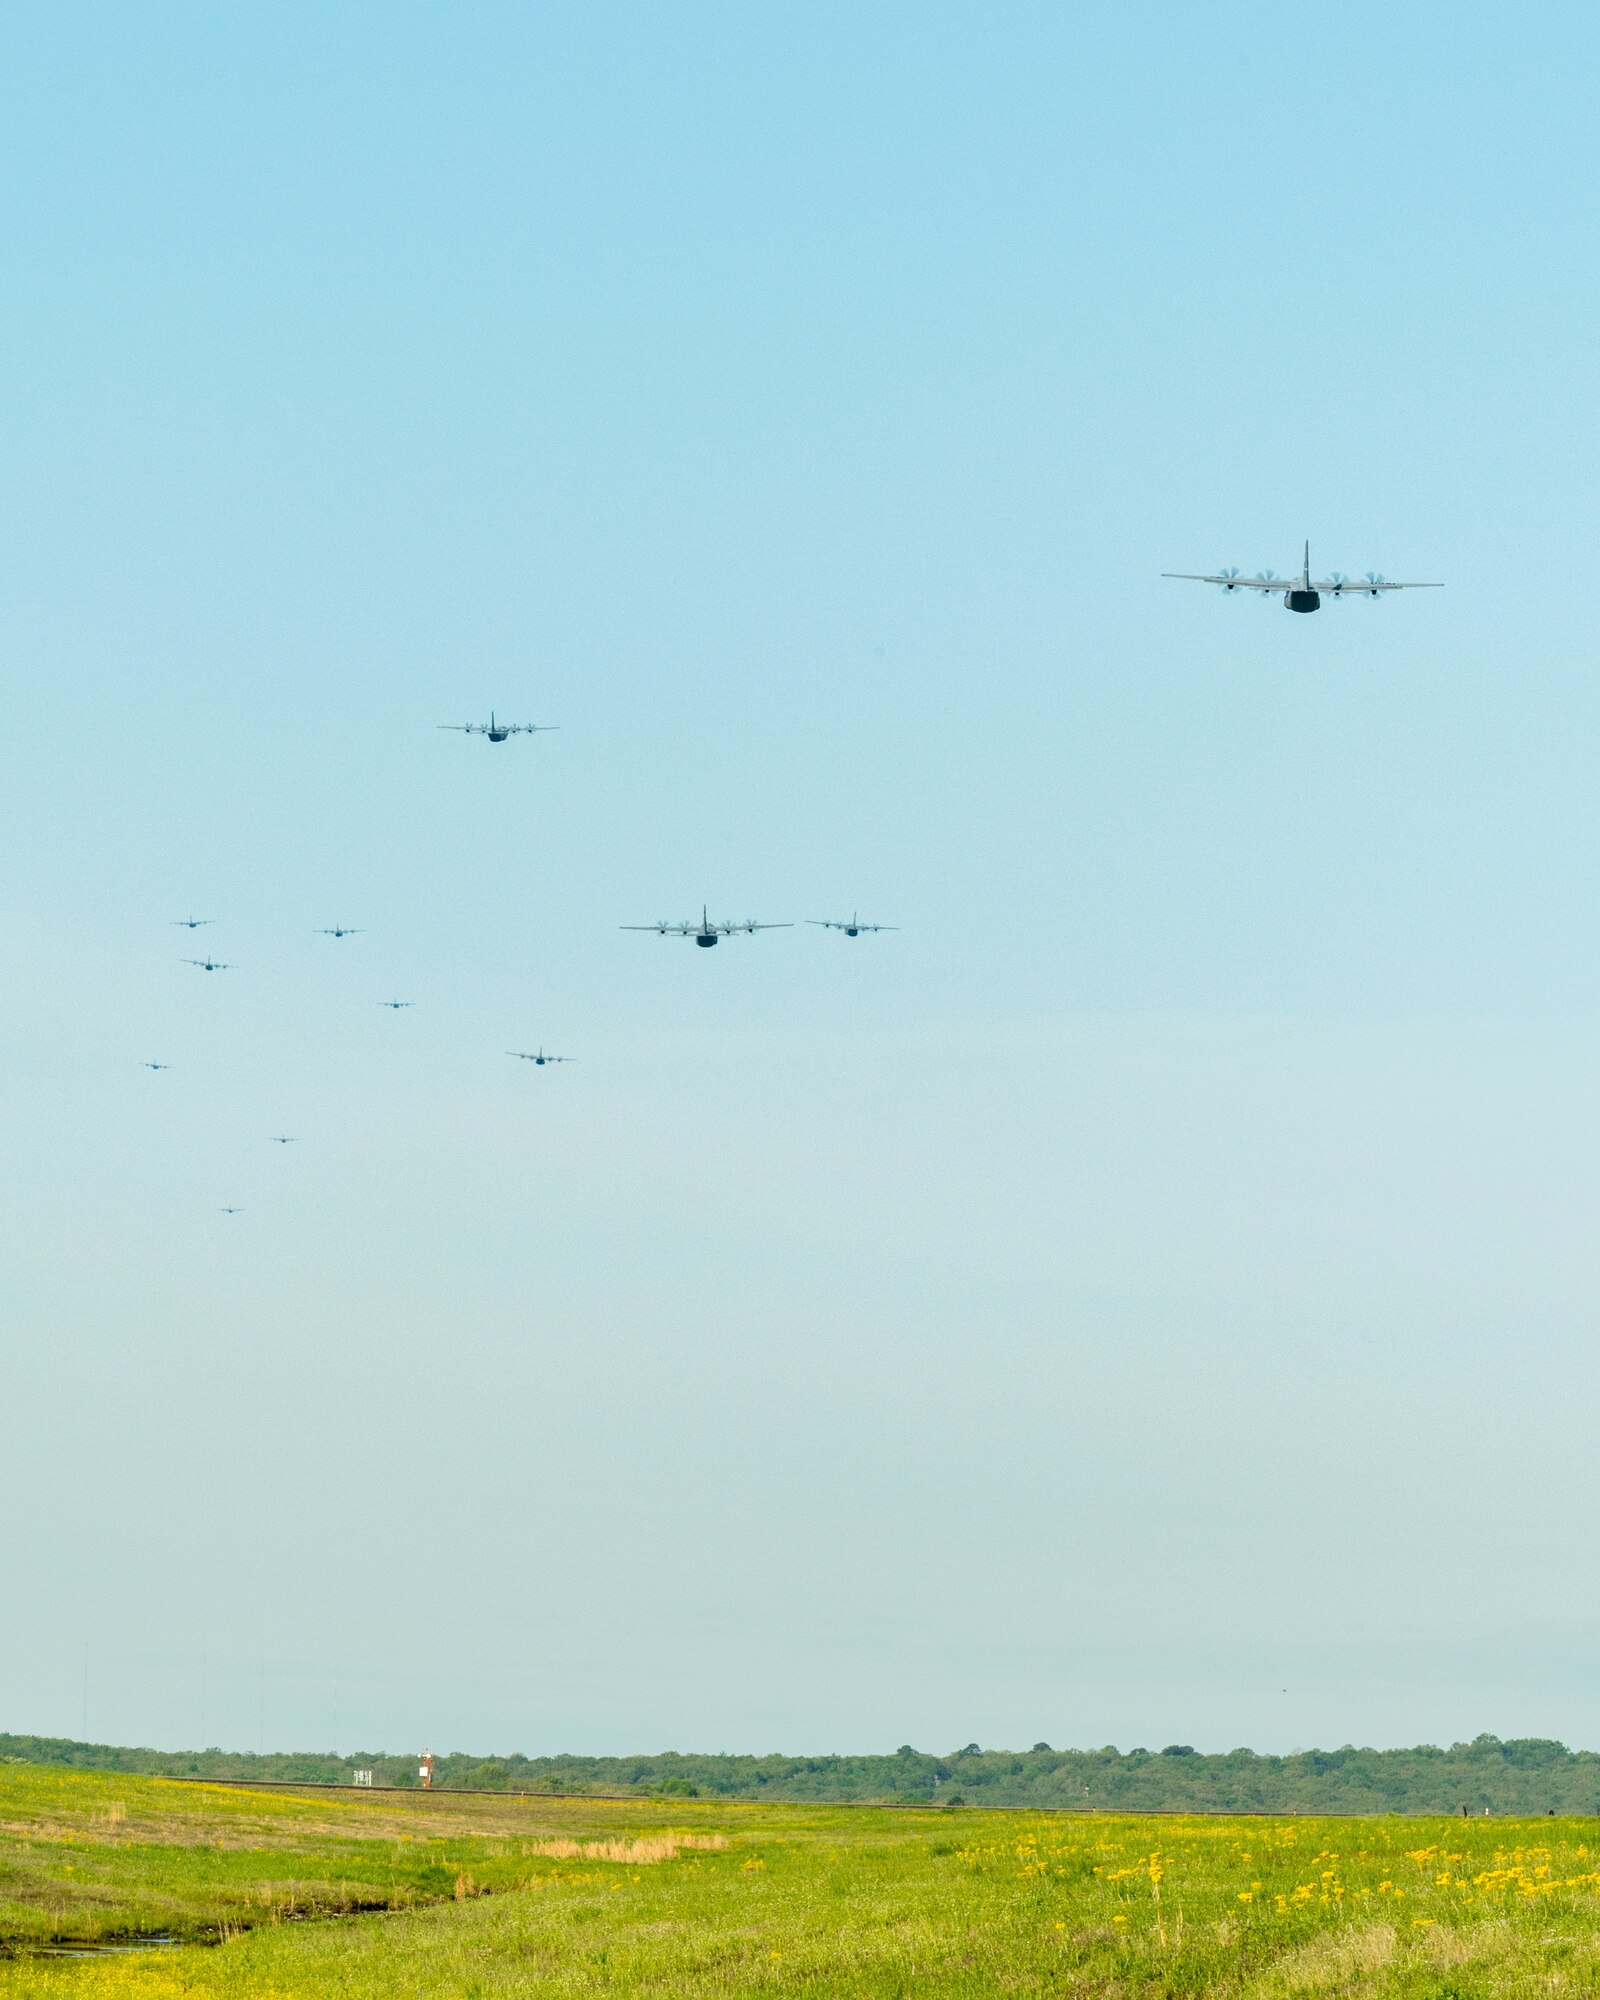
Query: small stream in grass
[[98, 1947]]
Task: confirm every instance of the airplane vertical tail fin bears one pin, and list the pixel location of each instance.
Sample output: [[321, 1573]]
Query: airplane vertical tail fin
[[1305, 574]]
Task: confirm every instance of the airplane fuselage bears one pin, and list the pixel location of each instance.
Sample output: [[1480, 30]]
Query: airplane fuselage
[[497, 735], [1300, 599], [705, 939]]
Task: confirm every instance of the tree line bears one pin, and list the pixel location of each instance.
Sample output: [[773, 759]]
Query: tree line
[[1524, 1776]]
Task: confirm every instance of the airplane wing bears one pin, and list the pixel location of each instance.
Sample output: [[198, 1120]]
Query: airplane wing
[[728, 930], [663, 930], [466, 728], [532, 728], [1229, 582], [1366, 586]]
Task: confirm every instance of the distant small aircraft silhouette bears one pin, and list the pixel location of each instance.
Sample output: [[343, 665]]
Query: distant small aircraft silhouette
[[209, 964], [191, 923], [537, 1056], [230, 1211], [340, 930], [497, 731], [397, 1003], [851, 928], [282, 1139], [158, 1065]]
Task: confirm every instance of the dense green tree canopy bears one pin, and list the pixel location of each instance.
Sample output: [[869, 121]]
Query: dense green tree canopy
[[1526, 1775]]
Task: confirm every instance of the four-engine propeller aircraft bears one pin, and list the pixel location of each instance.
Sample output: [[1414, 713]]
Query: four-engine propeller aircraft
[[191, 923], [209, 964], [705, 933], [340, 930], [397, 1004], [853, 927], [1299, 593], [282, 1139], [158, 1065], [497, 731], [537, 1056]]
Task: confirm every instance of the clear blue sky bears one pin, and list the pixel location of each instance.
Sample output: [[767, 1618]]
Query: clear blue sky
[[1150, 1296]]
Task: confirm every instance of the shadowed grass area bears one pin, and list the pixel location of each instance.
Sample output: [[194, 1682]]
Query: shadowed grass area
[[581, 1897]]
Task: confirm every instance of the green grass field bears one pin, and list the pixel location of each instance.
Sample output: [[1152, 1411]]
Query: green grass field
[[281, 1894]]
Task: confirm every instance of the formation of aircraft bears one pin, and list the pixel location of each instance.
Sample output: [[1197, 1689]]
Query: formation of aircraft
[[1299, 593], [497, 731], [705, 933]]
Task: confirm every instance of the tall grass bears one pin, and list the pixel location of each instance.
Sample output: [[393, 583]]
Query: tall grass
[[663, 1847]]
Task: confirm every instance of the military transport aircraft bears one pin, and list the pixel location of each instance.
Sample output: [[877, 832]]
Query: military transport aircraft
[[852, 928], [705, 933], [209, 964], [537, 1056], [340, 930], [158, 1065], [1299, 593], [281, 1139], [397, 1003], [496, 731], [191, 923]]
